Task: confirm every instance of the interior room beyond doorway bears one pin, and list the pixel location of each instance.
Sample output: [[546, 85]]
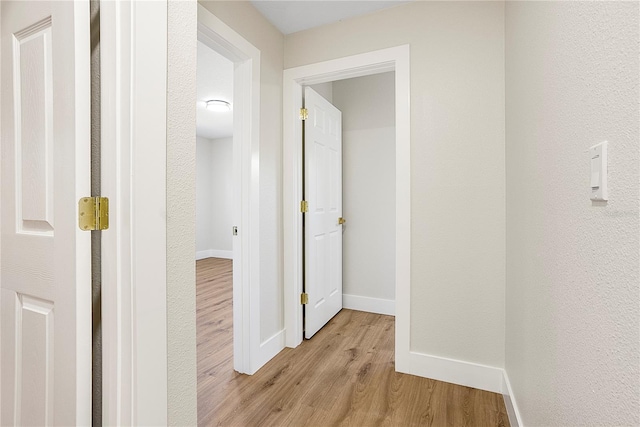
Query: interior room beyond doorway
[[214, 217], [214, 155], [368, 189]]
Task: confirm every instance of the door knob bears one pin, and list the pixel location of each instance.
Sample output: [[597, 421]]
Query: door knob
[[341, 221]]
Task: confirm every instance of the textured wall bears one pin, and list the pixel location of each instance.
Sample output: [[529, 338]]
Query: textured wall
[[572, 319], [247, 21], [368, 184], [181, 168], [457, 163]]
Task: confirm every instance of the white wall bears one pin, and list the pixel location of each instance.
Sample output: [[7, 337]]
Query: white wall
[[573, 313], [325, 90], [368, 190], [247, 21], [214, 197], [181, 170], [457, 163], [222, 193], [204, 193]]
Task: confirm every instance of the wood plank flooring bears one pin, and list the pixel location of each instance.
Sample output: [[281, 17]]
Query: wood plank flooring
[[343, 376]]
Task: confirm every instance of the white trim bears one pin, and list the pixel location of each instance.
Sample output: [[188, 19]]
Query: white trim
[[1, 214], [515, 420], [149, 194], [134, 322], [269, 348], [117, 342], [214, 253], [82, 104], [248, 354], [368, 304], [395, 58], [455, 371]]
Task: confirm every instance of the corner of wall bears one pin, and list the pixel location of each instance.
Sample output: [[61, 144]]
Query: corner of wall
[[181, 121], [510, 402]]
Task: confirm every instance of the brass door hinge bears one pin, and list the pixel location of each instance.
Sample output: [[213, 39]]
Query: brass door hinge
[[304, 298], [93, 213], [304, 114], [304, 206]]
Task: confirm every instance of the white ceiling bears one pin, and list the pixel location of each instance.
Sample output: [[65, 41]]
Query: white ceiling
[[215, 72], [293, 16], [214, 81]]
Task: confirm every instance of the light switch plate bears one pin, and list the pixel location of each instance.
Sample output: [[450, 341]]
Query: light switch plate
[[598, 155]]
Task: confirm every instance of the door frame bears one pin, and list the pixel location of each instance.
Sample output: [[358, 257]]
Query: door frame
[[246, 212], [133, 44], [134, 48], [392, 59]]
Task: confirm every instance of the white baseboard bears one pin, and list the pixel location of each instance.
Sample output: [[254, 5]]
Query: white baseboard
[[510, 402], [214, 253], [372, 305], [452, 371], [268, 350]]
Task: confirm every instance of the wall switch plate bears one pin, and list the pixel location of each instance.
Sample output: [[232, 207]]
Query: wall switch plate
[[598, 154]]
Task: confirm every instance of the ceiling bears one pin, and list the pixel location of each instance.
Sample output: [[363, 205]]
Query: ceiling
[[214, 81], [215, 72], [293, 16]]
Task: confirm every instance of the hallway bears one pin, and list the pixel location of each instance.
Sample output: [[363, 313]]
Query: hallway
[[343, 376]]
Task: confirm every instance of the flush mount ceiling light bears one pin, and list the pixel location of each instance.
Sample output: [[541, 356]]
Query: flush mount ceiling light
[[218, 105]]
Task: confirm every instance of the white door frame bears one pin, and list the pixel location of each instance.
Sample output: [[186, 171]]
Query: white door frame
[[391, 59], [134, 116], [246, 127], [133, 156]]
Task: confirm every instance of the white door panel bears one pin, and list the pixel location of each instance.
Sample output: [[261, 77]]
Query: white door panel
[[45, 283], [323, 192]]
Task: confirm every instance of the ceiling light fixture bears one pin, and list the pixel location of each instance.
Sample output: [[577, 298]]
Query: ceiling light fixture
[[218, 105]]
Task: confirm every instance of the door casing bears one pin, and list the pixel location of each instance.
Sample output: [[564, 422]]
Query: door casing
[[133, 44], [380, 61], [248, 355], [134, 256]]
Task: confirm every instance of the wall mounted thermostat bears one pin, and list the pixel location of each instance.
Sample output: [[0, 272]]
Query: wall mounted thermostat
[[598, 155]]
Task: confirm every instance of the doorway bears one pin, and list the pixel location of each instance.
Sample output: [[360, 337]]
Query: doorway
[[214, 155], [215, 218], [349, 264], [368, 189], [217, 36], [393, 59]]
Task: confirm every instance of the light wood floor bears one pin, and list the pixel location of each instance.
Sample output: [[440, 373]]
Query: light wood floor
[[344, 375]]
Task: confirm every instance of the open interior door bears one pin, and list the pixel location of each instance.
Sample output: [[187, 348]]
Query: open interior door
[[45, 270], [322, 223]]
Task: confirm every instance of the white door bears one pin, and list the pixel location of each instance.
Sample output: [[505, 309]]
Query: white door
[[45, 278], [323, 192]]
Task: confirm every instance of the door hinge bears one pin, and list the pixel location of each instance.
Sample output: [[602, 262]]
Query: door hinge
[[304, 206], [235, 230], [304, 114], [304, 298], [93, 213]]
